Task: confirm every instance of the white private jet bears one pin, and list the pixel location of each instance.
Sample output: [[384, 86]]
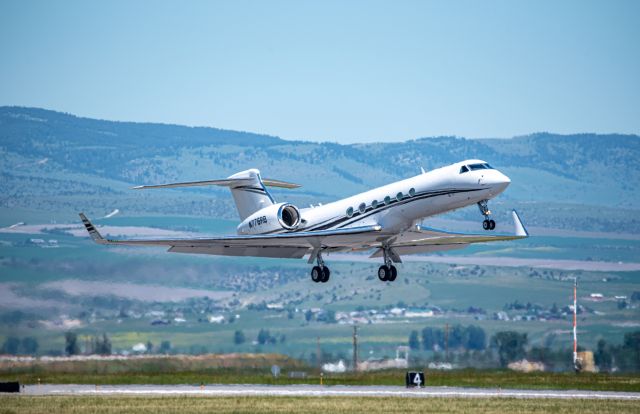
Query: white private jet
[[385, 219]]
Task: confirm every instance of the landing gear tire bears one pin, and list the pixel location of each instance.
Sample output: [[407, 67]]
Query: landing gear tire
[[387, 273], [384, 273], [488, 224], [394, 274], [320, 274], [316, 274], [326, 273]]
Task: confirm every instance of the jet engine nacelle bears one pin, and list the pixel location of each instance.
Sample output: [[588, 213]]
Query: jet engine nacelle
[[282, 216]]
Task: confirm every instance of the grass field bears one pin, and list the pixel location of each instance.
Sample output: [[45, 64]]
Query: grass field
[[157, 405], [457, 378]]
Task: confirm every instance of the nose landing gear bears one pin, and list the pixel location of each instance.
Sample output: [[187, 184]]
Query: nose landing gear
[[488, 223]]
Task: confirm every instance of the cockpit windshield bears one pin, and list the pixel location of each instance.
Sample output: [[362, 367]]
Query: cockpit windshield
[[474, 167]]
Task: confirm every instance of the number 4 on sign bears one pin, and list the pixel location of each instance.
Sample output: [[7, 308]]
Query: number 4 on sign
[[416, 380]]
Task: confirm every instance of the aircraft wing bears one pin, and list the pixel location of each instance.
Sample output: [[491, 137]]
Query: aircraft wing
[[283, 245], [425, 240], [298, 244]]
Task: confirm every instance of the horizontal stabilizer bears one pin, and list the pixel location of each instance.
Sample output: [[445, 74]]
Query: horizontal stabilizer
[[281, 184], [227, 182]]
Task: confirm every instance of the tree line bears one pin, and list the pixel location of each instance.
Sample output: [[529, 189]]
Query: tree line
[[101, 345], [624, 357], [457, 337], [95, 345], [468, 346], [20, 346], [264, 337]]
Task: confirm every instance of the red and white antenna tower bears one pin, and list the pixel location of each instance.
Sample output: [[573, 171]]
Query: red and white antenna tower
[[576, 360]]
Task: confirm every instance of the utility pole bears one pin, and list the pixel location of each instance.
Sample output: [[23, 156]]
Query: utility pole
[[318, 354], [355, 348]]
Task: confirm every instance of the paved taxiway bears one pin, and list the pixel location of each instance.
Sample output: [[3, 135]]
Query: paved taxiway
[[217, 390]]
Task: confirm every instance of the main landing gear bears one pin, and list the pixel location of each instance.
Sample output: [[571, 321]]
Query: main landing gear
[[320, 273], [488, 223], [387, 272]]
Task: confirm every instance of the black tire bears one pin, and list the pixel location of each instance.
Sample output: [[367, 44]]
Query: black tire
[[316, 274], [492, 224], [394, 274], [383, 273], [326, 273], [486, 225]]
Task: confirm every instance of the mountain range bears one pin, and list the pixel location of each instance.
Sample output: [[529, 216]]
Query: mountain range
[[58, 163]]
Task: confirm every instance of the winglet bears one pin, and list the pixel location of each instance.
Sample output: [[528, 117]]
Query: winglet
[[95, 235], [519, 227]]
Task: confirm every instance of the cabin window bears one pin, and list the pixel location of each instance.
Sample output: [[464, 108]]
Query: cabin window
[[350, 212], [387, 200], [463, 169], [362, 207], [374, 204], [412, 192], [399, 196]]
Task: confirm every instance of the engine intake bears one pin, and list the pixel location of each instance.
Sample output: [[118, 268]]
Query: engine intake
[[289, 216], [283, 216]]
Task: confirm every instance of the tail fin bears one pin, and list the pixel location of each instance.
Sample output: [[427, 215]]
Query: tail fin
[[247, 187], [249, 192]]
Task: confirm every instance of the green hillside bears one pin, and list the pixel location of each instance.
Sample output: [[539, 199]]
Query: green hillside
[[58, 164]]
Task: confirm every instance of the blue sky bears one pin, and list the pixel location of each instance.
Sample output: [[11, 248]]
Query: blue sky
[[345, 71]]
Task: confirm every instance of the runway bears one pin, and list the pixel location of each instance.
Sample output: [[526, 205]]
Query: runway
[[217, 390]]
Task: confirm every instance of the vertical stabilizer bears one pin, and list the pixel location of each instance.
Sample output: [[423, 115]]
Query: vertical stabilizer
[[249, 192]]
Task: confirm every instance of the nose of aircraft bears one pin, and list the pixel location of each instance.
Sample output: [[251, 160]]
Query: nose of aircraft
[[500, 181], [496, 180]]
